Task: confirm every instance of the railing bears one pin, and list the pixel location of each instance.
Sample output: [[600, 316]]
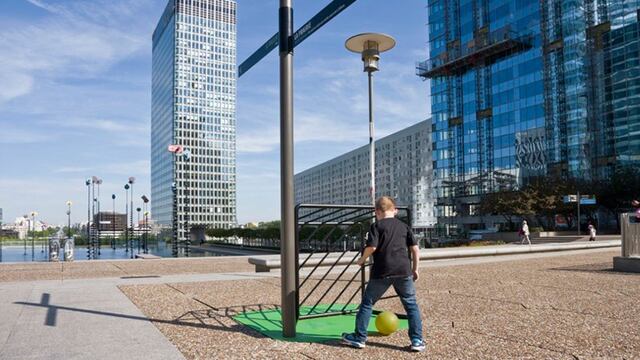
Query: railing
[[328, 234], [479, 47]]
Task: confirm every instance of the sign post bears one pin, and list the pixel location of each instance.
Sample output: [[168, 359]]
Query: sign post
[[287, 230], [287, 40]]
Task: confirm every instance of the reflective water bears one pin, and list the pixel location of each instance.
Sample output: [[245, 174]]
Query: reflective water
[[15, 253]]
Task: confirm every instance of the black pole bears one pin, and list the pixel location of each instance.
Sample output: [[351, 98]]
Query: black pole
[[131, 217], [69, 221], [174, 223], [126, 217], [32, 237], [113, 222], [88, 218], [99, 219], [138, 237], [187, 233]]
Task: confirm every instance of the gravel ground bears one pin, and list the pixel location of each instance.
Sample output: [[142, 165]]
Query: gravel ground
[[563, 307], [12, 272]]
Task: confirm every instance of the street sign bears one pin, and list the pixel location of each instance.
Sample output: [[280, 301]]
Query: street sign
[[584, 199], [588, 200], [317, 21]]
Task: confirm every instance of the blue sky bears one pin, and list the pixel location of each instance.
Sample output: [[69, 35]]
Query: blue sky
[[75, 89]]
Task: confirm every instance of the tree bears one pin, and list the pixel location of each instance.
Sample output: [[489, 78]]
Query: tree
[[615, 195]]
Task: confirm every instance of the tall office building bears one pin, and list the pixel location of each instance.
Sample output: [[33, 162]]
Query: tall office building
[[523, 89], [193, 105], [403, 170]]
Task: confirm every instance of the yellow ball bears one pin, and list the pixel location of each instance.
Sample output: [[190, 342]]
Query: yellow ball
[[386, 323]]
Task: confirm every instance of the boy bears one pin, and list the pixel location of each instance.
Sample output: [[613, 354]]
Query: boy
[[389, 242]]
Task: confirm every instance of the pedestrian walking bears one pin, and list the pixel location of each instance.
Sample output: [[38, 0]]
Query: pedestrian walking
[[592, 232], [524, 233]]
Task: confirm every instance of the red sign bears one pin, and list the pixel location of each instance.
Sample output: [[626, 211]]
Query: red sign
[[175, 149]]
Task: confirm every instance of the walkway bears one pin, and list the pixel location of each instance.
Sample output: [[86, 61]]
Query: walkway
[[552, 305]]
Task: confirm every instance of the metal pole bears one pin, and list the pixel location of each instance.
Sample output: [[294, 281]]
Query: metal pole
[[93, 216], [138, 237], [126, 222], [88, 220], [99, 219], [131, 218], [287, 252], [69, 221], [33, 236], [186, 232], [113, 223], [372, 145], [578, 213]]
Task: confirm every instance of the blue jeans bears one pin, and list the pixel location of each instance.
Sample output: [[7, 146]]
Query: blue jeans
[[375, 289]]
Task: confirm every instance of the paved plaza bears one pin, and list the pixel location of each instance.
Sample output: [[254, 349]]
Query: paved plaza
[[555, 305]]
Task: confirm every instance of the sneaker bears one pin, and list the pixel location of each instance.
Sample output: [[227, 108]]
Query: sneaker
[[351, 340], [417, 345]]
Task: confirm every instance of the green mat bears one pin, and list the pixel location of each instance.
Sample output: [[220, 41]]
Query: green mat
[[269, 323]]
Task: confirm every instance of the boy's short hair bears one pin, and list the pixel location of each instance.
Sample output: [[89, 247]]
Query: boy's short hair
[[385, 203]]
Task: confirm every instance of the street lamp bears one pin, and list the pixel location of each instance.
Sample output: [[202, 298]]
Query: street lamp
[[88, 183], [145, 202], [146, 232], [131, 181], [33, 233], [126, 214], [370, 45], [138, 237], [113, 222], [186, 155], [69, 203]]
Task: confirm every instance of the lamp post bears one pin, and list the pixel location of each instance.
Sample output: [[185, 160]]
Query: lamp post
[[99, 182], [186, 155], [26, 219], [113, 222], [69, 203], [126, 214], [88, 183], [130, 182], [370, 45], [33, 233], [146, 232], [138, 237], [145, 202]]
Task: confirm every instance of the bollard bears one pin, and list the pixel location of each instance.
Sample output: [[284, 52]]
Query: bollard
[[630, 231]]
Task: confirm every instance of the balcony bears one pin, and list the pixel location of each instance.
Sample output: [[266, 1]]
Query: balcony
[[484, 49]]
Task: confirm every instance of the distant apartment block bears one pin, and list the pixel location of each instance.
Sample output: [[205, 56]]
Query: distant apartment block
[[403, 170]]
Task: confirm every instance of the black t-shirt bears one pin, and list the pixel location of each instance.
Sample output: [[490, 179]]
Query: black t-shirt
[[391, 238]]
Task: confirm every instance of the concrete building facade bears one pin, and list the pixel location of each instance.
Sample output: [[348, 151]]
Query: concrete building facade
[[403, 170]]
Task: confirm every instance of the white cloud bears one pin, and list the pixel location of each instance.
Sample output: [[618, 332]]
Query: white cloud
[[68, 43], [331, 106]]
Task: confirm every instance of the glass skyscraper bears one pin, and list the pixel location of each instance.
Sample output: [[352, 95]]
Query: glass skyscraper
[[193, 105], [523, 89]]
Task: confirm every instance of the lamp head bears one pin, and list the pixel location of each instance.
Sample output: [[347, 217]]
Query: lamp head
[[87, 182], [113, 196], [370, 45], [126, 186], [132, 180], [69, 203], [144, 198]]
